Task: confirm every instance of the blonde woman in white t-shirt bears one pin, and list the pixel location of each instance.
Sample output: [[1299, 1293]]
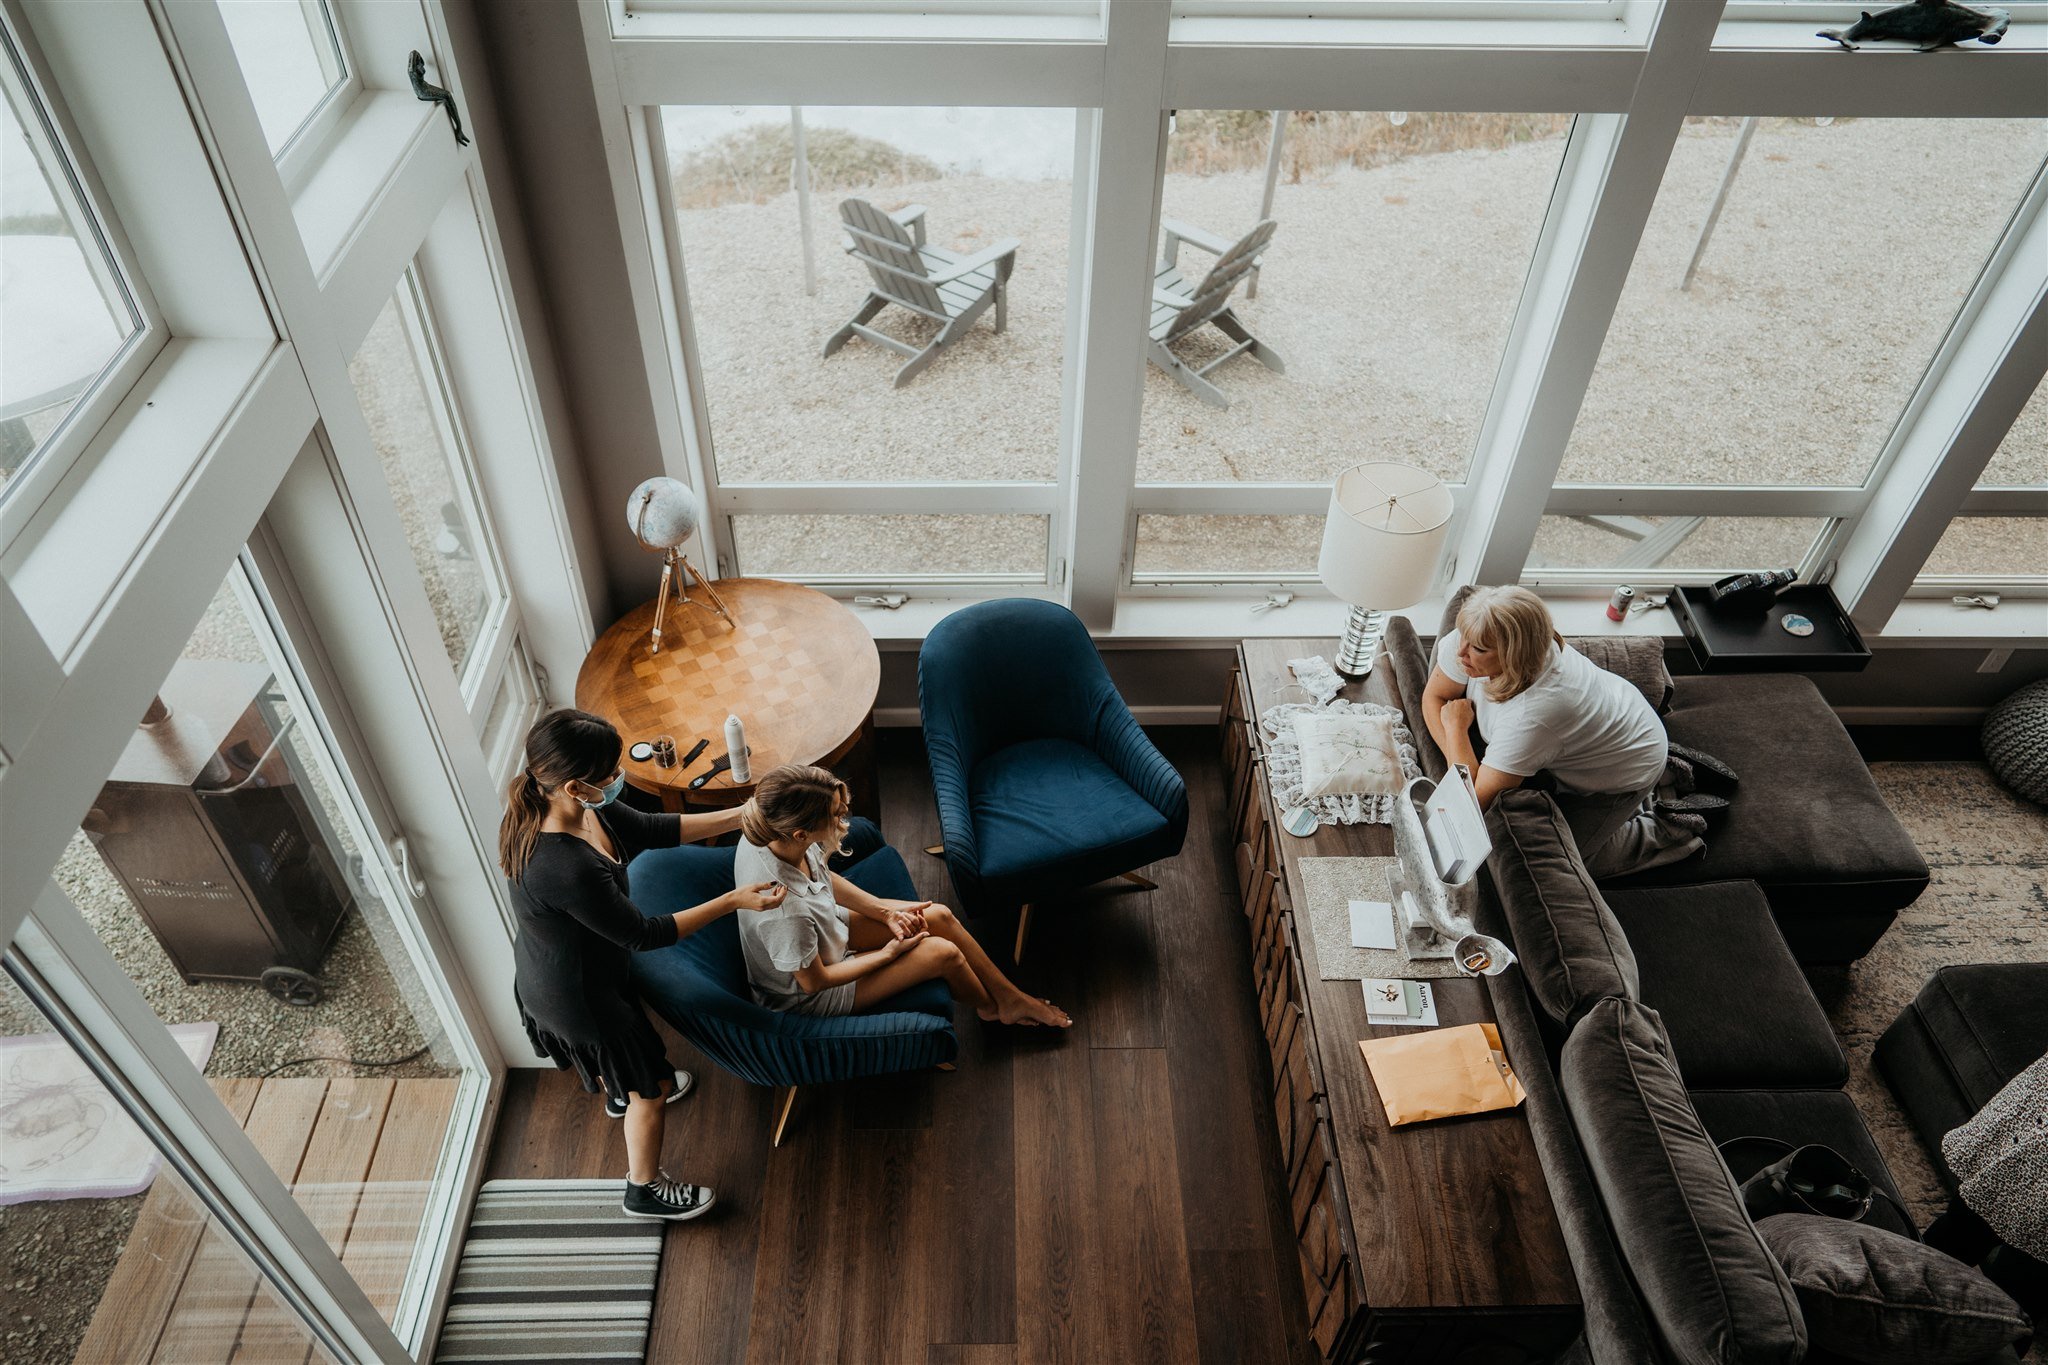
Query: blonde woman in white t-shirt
[[832, 948], [1543, 707]]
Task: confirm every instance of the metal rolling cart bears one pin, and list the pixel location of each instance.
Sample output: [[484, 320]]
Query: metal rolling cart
[[207, 823]]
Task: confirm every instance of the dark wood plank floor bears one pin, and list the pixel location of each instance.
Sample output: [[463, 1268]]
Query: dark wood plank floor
[[1110, 1194]]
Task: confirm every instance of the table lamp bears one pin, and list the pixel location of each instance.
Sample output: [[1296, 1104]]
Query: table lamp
[[664, 513], [1380, 544]]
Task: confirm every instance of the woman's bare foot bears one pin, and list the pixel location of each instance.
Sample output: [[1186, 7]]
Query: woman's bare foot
[[1026, 1010]]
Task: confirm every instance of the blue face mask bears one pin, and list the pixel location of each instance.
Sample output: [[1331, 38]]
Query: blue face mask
[[611, 794]]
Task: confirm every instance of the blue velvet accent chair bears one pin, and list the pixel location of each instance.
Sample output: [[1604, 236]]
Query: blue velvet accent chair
[[699, 985], [1045, 783]]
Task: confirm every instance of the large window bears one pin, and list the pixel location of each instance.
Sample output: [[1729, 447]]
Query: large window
[[227, 868], [1778, 342], [1333, 285], [848, 269], [65, 310]]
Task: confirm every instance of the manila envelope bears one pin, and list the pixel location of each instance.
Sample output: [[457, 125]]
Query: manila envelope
[[1441, 1072]]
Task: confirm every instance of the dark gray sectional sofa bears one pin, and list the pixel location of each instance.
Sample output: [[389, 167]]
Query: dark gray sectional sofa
[[1655, 1021]]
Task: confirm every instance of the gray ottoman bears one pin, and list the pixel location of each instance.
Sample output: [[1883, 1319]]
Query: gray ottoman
[[2016, 741]]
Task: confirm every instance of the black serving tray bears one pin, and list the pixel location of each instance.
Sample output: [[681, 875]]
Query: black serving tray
[[1754, 642]]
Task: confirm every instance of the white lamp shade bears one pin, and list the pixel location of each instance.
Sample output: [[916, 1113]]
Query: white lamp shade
[[1384, 532], [665, 519]]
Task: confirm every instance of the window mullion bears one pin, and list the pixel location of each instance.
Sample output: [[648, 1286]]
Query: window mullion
[[1115, 255], [1609, 182]]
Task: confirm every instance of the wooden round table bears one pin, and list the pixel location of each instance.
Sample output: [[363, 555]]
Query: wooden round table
[[797, 668]]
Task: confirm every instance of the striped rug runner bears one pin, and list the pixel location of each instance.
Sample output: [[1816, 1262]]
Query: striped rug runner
[[552, 1271]]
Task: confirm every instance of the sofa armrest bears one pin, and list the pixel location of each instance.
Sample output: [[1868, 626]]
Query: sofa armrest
[[1411, 666], [1131, 755]]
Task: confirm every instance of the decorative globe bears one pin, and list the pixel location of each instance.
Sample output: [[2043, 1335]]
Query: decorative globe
[[669, 518]]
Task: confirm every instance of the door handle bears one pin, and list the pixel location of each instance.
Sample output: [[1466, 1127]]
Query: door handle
[[401, 856]]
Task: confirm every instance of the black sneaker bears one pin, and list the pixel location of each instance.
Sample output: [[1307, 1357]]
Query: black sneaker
[[666, 1198], [615, 1105]]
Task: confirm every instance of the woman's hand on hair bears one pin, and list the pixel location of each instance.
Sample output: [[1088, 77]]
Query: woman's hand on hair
[[759, 896]]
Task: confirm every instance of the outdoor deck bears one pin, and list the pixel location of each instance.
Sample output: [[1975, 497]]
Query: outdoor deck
[[359, 1154]]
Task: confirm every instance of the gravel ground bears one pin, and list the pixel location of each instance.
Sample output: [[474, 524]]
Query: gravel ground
[[1389, 292]]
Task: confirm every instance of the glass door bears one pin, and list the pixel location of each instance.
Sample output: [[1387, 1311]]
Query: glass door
[[233, 869]]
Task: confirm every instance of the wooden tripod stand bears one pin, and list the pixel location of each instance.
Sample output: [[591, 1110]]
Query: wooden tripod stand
[[670, 578]]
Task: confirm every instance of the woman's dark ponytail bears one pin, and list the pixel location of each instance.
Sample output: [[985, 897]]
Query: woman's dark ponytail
[[563, 746]]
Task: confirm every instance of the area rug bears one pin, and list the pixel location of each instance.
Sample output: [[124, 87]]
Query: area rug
[[552, 1270], [1987, 850], [62, 1136]]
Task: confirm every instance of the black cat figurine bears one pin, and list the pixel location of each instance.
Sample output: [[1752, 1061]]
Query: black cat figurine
[[1927, 23]]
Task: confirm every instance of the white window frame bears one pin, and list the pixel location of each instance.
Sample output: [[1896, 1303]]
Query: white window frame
[[1636, 71], [107, 253], [244, 419]]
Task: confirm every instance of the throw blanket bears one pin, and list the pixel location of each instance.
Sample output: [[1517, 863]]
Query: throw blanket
[[2001, 1159]]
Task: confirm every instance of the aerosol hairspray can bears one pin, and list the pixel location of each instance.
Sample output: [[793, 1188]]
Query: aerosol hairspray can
[[1617, 605], [736, 749]]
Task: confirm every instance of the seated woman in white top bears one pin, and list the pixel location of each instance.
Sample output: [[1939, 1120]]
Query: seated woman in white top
[[830, 947], [1543, 707]]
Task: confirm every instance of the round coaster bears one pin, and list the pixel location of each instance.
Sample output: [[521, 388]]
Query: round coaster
[[1299, 821], [1795, 624]]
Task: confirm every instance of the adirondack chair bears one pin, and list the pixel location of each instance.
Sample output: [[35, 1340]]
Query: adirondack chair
[[1179, 308], [950, 289]]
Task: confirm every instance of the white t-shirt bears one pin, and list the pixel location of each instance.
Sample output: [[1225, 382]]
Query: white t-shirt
[[809, 926], [1590, 729]]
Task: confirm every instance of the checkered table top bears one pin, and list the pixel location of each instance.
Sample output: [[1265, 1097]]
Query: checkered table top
[[797, 668]]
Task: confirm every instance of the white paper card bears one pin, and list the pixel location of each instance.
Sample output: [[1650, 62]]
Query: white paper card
[[1425, 1018], [1372, 925]]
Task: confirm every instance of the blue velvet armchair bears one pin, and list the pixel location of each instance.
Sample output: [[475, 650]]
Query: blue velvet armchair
[[1045, 783], [700, 984]]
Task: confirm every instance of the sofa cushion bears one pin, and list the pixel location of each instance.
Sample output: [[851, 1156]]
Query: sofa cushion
[[1969, 1031], [1045, 803], [1990, 1021], [1735, 1005], [1572, 950], [1798, 1117], [1806, 822], [1713, 1290], [1884, 1299]]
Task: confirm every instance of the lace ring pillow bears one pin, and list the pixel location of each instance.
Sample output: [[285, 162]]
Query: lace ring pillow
[[1346, 761]]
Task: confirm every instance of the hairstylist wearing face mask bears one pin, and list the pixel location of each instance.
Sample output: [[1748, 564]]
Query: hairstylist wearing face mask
[[564, 846]]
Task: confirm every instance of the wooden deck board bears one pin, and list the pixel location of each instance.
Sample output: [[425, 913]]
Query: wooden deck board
[[213, 1302], [144, 1285], [183, 1293], [385, 1229]]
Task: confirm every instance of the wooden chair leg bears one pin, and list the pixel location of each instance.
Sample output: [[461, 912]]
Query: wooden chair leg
[[1023, 929], [1139, 880], [782, 1116], [861, 317]]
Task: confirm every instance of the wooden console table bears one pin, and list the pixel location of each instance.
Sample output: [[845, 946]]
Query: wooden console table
[[797, 667], [1432, 1242]]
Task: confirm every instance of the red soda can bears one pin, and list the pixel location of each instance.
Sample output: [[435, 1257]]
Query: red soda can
[[1617, 605]]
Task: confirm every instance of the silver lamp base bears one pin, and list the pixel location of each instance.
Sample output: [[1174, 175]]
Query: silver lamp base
[[1361, 642]]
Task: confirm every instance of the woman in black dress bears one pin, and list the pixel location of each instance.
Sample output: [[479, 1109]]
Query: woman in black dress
[[564, 845]]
